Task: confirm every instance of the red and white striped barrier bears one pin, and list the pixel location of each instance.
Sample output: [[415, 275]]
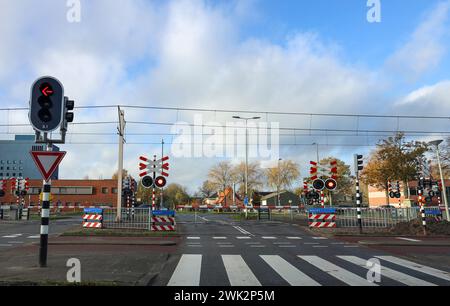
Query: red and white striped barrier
[[163, 220], [93, 217], [92, 224], [163, 223], [322, 220], [93, 220], [163, 228]]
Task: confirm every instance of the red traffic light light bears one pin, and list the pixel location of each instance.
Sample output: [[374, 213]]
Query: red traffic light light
[[46, 89], [160, 182], [331, 184]]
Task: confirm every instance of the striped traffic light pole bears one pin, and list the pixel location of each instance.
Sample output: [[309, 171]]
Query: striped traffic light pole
[[45, 217], [422, 205]]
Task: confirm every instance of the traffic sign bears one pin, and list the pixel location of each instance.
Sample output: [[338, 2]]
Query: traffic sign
[[47, 162]]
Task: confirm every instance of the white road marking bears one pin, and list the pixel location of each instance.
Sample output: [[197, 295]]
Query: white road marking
[[243, 237], [337, 272], [288, 272], [239, 274], [294, 238], [195, 245], [417, 267], [269, 237], [220, 238], [34, 237], [351, 246], [243, 231], [287, 246], [395, 275], [258, 246], [12, 236], [187, 272], [408, 239], [193, 238], [319, 238], [226, 246]]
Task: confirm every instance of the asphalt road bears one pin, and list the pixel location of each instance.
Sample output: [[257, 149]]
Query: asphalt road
[[218, 251], [13, 234]]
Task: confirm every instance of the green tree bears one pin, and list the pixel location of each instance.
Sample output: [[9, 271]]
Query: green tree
[[394, 159]]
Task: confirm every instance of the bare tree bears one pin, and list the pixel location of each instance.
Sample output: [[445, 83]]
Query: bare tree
[[284, 175], [255, 176]]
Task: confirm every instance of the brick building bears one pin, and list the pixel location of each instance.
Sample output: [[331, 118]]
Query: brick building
[[378, 197], [69, 194]]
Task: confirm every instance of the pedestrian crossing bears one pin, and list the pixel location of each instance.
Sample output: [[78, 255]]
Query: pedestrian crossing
[[304, 270], [14, 236]]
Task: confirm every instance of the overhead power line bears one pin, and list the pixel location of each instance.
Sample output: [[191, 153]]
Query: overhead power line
[[249, 112]]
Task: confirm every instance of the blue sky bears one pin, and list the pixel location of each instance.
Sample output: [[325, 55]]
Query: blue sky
[[304, 56]]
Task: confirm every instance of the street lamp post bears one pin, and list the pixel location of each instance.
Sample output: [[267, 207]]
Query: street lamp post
[[278, 183], [444, 193], [246, 149]]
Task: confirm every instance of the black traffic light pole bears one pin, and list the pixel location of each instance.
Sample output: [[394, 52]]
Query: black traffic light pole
[[49, 110]]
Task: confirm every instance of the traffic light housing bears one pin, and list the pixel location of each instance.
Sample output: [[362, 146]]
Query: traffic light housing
[[147, 181], [160, 181], [46, 104], [359, 162], [331, 184], [68, 116], [319, 184]]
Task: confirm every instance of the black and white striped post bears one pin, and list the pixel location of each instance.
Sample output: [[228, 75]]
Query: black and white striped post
[[422, 204], [45, 218], [358, 167]]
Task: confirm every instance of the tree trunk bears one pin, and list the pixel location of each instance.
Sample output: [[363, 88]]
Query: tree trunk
[[386, 188]]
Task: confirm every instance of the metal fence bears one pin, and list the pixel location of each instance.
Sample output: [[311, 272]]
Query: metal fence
[[137, 218]]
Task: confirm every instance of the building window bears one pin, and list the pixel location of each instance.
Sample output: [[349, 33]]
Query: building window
[[114, 190], [14, 174], [14, 162], [105, 190], [21, 162], [1, 174], [20, 168]]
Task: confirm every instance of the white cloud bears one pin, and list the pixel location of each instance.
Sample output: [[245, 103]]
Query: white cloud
[[426, 47]]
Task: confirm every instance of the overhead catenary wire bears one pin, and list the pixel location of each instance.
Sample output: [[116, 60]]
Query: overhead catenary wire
[[190, 109]]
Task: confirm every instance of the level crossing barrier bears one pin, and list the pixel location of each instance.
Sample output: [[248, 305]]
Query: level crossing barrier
[[322, 218], [93, 218], [163, 220]]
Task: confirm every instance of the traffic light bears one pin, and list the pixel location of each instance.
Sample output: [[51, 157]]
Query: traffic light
[[69, 105], [47, 104], [147, 181], [331, 184], [160, 181], [2, 188], [319, 184], [359, 162]]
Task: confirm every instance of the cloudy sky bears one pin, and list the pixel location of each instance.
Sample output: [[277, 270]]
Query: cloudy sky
[[320, 56]]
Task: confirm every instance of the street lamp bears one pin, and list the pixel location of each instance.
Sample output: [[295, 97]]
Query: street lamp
[[317, 150], [278, 183], [444, 194], [246, 149]]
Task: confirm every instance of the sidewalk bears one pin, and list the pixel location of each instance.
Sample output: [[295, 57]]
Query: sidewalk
[[104, 260]]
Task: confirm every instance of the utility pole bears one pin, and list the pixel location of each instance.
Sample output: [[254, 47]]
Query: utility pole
[[121, 130], [162, 188], [278, 182], [444, 193]]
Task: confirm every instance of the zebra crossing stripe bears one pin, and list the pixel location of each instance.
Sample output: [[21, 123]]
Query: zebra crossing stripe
[[12, 236], [417, 267], [187, 272], [239, 274], [288, 272], [392, 274], [336, 271]]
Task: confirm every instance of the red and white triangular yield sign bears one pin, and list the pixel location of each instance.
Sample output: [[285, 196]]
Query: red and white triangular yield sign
[[47, 162]]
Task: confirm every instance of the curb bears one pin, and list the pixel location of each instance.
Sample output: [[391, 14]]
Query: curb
[[140, 243], [400, 244]]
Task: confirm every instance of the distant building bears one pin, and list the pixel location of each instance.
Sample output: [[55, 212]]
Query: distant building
[[287, 198], [16, 161], [378, 197], [69, 194]]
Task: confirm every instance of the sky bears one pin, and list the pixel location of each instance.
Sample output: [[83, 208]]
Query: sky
[[320, 56]]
